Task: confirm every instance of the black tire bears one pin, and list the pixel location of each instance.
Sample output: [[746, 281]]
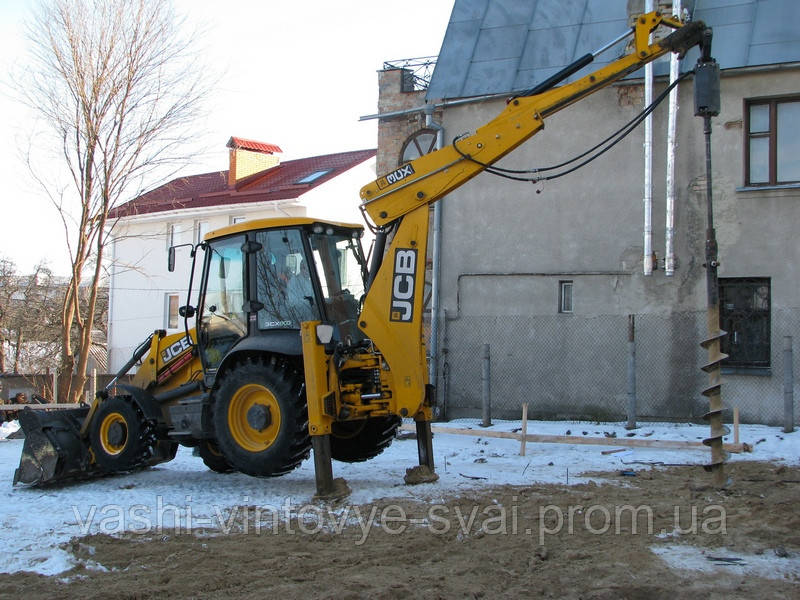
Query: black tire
[[163, 451], [115, 435], [213, 458], [357, 441], [261, 419]]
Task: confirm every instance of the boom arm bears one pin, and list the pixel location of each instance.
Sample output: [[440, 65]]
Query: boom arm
[[432, 176], [392, 316], [393, 367]]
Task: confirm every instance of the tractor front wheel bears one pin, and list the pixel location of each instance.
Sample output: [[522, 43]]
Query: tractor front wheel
[[115, 435], [261, 418]]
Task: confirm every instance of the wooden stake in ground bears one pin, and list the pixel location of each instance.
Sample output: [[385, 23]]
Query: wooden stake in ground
[[523, 435], [572, 439], [50, 406], [735, 424]]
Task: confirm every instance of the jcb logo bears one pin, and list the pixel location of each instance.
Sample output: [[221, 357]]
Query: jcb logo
[[405, 264], [175, 349], [396, 175]]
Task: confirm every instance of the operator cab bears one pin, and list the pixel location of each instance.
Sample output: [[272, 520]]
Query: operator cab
[[261, 279]]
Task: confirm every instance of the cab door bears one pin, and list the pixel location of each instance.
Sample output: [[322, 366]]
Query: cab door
[[222, 321]]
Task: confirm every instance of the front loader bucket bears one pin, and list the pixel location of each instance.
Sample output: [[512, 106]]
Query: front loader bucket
[[53, 450]]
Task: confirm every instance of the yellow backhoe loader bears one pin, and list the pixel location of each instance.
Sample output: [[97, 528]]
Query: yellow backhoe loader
[[298, 342]]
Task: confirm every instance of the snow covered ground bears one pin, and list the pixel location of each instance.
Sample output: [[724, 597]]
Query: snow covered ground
[[183, 494]]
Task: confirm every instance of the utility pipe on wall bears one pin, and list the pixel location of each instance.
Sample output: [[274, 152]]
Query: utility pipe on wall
[[436, 243], [647, 259], [669, 233]]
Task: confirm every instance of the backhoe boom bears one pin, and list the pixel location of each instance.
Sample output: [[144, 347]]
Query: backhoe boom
[[432, 176]]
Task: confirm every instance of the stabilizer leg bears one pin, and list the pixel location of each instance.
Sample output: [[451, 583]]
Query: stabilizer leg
[[425, 444], [323, 469], [424, 473], [328, 488]]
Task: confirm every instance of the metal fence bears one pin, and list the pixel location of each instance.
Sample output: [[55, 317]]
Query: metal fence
[[574, 367]]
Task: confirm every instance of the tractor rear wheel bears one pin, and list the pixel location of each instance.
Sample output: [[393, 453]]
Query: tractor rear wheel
[[213, 458], [261, 419], [357, 441], [116, 435]]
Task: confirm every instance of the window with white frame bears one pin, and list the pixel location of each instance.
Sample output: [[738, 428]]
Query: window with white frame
[[171, 316], [565, 296]]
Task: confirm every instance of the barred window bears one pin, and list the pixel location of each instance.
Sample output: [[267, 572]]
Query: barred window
[[745, 315]]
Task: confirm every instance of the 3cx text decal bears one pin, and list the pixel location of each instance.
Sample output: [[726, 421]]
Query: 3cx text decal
[[396, 175], [403, 281], [175, 349]]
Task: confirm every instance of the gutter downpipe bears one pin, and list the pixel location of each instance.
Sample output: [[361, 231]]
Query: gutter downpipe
[[669, 233], [111, 330], [647, 259], [436, 243]]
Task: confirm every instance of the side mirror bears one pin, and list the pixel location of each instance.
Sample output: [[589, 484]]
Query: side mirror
[[187, 312], [171, 259], [223, 274]]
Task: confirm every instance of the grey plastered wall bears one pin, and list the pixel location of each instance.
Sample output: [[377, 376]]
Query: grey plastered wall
[[507, 245]]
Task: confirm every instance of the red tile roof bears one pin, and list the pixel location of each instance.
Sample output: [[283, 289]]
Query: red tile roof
[[237, 142], [211, 189]]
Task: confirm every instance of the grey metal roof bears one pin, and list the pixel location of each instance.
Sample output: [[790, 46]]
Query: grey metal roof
[[498, 46]]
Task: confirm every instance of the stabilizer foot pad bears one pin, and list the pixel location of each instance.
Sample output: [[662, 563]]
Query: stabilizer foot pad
[[420, 474], [339, 490]]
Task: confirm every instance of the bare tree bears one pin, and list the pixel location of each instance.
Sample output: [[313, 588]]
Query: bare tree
[[119, 86], [30, 309], [8, 289], [33, 320]]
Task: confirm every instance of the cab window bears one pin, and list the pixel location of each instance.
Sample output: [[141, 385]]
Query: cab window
[[283, 281]]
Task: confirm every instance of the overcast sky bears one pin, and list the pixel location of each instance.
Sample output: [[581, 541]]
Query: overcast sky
[[295, 74]]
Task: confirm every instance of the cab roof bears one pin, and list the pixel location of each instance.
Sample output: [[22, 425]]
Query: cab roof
[[275, 223]]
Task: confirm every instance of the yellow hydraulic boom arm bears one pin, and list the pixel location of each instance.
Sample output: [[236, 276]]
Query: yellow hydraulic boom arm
[[432, 176], [392, 315]]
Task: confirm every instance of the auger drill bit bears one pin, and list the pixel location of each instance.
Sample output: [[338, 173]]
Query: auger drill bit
[[707, 105]]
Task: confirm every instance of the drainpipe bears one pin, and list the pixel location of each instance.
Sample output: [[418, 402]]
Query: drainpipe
[[111, 330], [669, 233], [436, 242], [648, 163]]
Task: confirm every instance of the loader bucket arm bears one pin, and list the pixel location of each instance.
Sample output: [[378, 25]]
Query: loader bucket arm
[[56, 444], [53, 449]]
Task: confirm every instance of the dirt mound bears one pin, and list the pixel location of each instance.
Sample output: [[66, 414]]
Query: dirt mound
[[594, 540], [420, 474]]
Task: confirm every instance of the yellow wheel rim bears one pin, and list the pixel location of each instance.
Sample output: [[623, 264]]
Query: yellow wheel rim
[[253, 398], [108, 422]]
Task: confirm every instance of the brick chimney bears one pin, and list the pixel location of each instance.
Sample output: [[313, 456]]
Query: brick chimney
[[248, 157]]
